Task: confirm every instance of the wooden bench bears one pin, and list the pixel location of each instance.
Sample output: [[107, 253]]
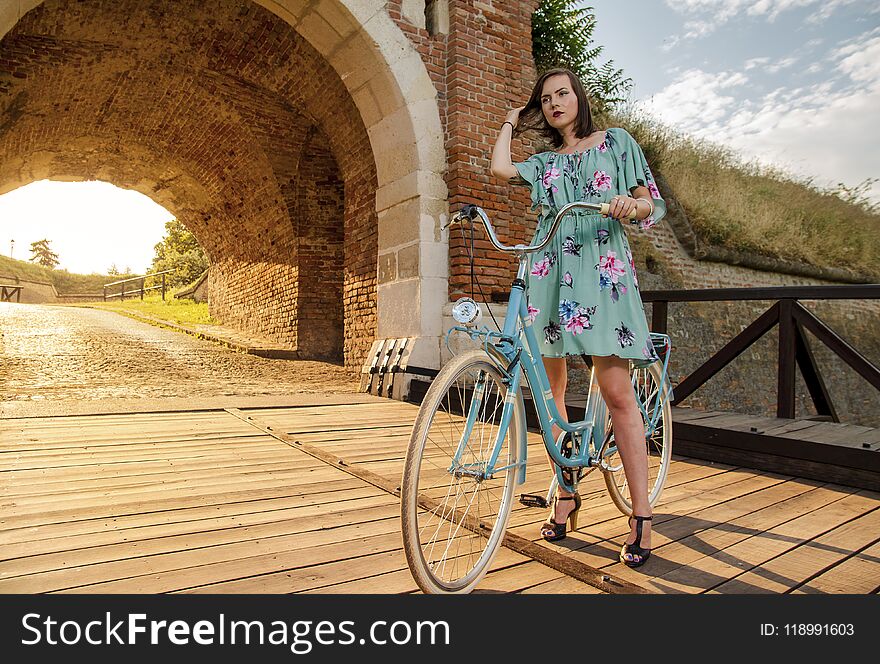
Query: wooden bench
[[8, 291]]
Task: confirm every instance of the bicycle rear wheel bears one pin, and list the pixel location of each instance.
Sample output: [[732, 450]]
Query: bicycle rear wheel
[[658, 441], [454, 516]]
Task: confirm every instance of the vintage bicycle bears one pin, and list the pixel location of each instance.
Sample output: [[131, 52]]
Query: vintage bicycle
[[468, 448]]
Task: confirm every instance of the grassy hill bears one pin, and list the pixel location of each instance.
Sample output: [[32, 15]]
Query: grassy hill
[[750, 208], [65, 282]]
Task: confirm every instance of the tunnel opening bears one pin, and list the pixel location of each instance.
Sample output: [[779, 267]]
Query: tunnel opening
[[223, 114]]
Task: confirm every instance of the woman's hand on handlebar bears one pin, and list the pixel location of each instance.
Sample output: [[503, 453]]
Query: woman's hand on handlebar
[[622, 207]]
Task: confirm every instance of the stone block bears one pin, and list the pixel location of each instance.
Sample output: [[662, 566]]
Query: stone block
[[387, 267], [399, 305], [399, 225]]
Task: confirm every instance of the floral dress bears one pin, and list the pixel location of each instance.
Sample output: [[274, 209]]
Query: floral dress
[[583, 292]]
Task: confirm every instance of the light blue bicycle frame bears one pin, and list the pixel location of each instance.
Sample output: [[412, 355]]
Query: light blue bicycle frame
[[507, 351]]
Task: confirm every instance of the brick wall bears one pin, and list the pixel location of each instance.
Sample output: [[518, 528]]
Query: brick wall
[[488, 70]]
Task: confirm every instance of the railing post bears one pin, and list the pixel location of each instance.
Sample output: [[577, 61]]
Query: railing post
[[787, 356], [659, 316], [163, 287], [143, 283], [105, 293]]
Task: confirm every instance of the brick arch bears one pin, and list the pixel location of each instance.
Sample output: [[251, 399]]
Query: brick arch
[[226, 97]]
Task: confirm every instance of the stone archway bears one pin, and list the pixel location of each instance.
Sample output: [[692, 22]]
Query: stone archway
[[220, 111]]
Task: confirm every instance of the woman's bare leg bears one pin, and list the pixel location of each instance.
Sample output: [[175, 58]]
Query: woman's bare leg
[[629, 434]]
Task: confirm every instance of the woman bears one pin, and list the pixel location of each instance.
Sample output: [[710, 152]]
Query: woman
[[583, 291]]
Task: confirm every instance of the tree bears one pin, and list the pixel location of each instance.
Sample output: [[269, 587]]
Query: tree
[[42, 254], [179, 251], [562, 36]]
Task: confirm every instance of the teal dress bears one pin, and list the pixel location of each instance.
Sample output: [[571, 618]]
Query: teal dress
[[583, 292]]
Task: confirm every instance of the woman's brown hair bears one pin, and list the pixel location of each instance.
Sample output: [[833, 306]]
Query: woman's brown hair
[[532, 116]]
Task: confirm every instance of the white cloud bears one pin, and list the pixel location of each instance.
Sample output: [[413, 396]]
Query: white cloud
[[827, 130], [765, 65], [711, 14], [755, 62], [859, 59], [695, 99], [776, 67]]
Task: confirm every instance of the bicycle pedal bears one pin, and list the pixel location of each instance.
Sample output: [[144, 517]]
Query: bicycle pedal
[[533, 500]]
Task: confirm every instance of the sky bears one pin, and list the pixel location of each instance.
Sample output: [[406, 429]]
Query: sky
[[791, 83], [90, 225]]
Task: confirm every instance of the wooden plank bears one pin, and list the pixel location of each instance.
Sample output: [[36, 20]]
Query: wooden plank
[[597, 504], [164, 539], [121, 449], [362, 575], [219, 505], [603, 538], [711, 531], [713, 573], [102, 505], [755, 424], [841, 433], [791, 567], [518, 578], [300, 514], [181, 570], [789, 428], [54, 470], [562, 585], [602, 520], [39, 479], [203, 482], [820, 433], [399, 581], [692, 414], [722, 420], [857, 574]]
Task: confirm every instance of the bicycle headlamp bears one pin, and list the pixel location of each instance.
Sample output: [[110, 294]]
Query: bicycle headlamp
[[466, 311]]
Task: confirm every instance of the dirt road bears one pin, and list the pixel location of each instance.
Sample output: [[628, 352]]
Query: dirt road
[[69, 353]]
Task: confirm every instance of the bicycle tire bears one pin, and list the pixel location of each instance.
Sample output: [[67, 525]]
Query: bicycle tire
[[659, 445], [448, 546]]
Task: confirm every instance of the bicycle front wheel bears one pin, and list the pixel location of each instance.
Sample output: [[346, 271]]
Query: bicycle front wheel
[[453, 508], [657, 418]]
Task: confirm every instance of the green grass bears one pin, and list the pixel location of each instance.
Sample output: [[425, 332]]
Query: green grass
[[65, 282], [751, 208], [183, 312], [10, 267]]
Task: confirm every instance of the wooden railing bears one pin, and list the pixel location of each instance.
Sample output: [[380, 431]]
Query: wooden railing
[[122, 283], [794, 349], [8, 291]]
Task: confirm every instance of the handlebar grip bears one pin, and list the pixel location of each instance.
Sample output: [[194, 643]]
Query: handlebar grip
[[607, 208]]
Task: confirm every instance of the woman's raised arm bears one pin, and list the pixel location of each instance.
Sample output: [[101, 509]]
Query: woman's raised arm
[[502, 165]]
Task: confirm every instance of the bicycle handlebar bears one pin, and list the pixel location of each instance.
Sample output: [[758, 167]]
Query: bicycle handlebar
[[471, 211]]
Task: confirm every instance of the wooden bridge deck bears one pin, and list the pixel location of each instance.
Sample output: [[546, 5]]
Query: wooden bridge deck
[[211, 502]]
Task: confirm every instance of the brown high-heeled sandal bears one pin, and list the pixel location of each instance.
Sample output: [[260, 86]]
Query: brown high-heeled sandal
[[552, 531], [638, 555]]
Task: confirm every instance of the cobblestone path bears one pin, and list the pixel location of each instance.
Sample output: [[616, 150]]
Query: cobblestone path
[[70, 353]]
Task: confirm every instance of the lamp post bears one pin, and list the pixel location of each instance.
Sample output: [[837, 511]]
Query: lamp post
[[11, 247]]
